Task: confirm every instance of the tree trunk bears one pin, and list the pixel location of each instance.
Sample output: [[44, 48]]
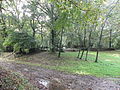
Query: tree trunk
[[53, 40], [52, 29], [60, 47], [34, 32], [103, 25], [41, 37], [32, 23], [90, 35], [79, 53], [83, 44], [79, 48], [86, 54], [2, 21], [82, 53], [100, 39], [88, 45], [110, 39]]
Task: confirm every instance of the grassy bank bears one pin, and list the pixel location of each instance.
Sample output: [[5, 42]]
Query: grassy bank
[[108, 64]]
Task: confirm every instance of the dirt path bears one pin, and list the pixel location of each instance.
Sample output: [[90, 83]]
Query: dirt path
[[76, 82]]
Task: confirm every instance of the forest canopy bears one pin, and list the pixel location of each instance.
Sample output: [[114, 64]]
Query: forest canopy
[[54, 24]]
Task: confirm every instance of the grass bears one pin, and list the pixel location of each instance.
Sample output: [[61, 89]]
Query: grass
[[108, 64]]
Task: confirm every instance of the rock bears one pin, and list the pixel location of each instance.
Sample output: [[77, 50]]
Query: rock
[[56, 84], [89, 89], [26, 69], [44, 82]]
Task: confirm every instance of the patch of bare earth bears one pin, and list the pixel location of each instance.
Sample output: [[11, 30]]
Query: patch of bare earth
[[37, 75]]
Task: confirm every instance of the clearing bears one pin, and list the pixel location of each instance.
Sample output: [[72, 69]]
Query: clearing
[[73, 73]]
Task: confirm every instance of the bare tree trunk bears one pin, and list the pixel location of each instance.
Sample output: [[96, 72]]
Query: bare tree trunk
[[110, 39], [53, 40], [34, 32], [79, 47], [78, 53], [52, 31], [41, 37], [86, 54], [60, 47], [102, 29], [84, 44], [90, 35], [88, 47], [82, 53]]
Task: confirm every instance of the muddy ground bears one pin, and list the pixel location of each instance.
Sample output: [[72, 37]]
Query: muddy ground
[[74, 82]]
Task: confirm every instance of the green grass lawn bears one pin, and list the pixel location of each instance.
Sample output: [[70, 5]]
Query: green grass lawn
[[108, 64]]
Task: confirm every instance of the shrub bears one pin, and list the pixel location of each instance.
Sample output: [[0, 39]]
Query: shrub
[[20, 42]]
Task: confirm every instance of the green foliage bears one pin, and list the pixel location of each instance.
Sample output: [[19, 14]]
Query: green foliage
[[117, 43], [21, 42], [71, 16]]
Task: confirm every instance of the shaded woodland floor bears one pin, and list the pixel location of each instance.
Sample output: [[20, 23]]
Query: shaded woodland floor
[[35, 74]]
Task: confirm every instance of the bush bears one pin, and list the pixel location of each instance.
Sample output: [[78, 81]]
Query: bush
[[19, 42]]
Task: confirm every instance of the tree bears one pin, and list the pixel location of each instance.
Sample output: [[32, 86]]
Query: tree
[[20, 42], [102, 28], [2, 22]]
